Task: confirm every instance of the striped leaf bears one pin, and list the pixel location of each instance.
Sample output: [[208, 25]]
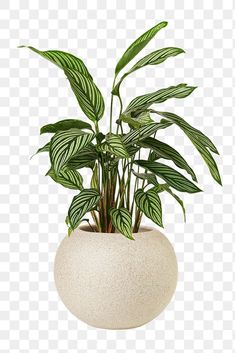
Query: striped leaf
[[45, 148], [155, 58], [143, 119], [150, 204], [143, 102], [65, 144], [150, 177], [95, 178], [114, 145], [85, 159], [135, 136], [63, 60], [63, 125], [69, 178], [81, 204], [121, 220], [137, 46], [171, 176], [200, 141], [163, 150]]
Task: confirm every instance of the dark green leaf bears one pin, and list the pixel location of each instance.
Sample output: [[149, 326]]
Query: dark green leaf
[[121, 219], [45, 148], [69, 178], [150, 204], [65, 125], [85, 159]]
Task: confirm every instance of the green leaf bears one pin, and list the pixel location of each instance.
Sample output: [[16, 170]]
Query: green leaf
[[94, 178], [114, 145], [150, 177], [171, 176], [200, 141], [143, 102], [155, 58], [45, 148], [65, 144], [163, 150], [87, 93], [62, 59], [69, 178], [85, 159], [65, 125], [143, 119], [137, 46], [121, 219], [81, 204], [150, 204], [137, 135]]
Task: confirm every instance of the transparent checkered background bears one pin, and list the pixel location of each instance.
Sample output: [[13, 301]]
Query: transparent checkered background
[[33, 92]]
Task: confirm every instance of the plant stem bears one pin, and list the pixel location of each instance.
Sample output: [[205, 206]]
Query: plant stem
[[111, 107]]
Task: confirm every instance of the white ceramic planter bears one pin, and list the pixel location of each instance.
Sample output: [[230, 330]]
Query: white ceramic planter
[[109, 281]]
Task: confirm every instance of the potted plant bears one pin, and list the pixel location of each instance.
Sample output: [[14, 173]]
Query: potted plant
[[114, 272]]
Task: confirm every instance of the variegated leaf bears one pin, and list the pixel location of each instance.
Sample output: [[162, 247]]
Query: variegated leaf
[[69, 178], [150, 204], [121, 219], [114, 145]]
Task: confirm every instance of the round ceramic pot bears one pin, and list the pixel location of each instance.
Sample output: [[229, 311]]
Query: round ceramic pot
[[111, 282]]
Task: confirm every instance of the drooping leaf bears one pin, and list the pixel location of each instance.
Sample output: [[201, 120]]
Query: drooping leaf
[[45, 148], [150, 177], [84, 202], [154, 58], [163, 150], [150, 204], [137, 135], [87, 93], [85, 159], [137, 46], [143, 102], [171, 176], [65, 144], [63, 125], [121, 219], [114, 145], [200, 141], [69, 178], [62, 59]]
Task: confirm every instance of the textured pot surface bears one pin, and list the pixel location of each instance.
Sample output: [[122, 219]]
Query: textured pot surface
[[109, 281]]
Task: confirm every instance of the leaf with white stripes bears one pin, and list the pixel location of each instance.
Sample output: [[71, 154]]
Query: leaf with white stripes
[[155, 58], [143, 119], [143, 102], [200, 141], [87, 93], [62, 59], [150, 204], [165, 151], [68, 178], [137, 135], [137, 46], [85, 159], [114, 145], [63, 125], [170, 175], [84, 202], [121, 219], [65, 144]]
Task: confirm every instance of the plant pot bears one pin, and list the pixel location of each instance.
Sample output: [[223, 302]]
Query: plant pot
[[111, 282]]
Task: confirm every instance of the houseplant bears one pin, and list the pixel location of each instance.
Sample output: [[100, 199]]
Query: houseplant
[[113, 273]]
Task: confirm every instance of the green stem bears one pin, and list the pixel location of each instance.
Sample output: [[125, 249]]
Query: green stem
[[111, 107]]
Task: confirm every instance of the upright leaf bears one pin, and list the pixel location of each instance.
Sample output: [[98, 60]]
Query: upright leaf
[[171, 176], [63, 125], [143, 102], [114, 145], [81, 204], [163, 150], [65, 144], [150, 204], [154, 58], [121, 219], [68, 178], [137, 46]]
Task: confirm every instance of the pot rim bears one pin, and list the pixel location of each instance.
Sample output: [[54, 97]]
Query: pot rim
[[142, 229]]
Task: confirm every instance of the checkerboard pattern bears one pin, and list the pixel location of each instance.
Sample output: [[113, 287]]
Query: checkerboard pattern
[[33, 92]]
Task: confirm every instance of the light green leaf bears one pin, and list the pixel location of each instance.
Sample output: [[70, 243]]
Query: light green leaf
[[143, 119], [163, 150], [137, 46], [114, 145], [143, 102], [81, 204], [62, 59], [200, 141], [171, 176], [150, 177], [69, 178], [150, 204], [65, 125], [85, 159], [94, 178], [65, 144], [154, 58], [121, 219]]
